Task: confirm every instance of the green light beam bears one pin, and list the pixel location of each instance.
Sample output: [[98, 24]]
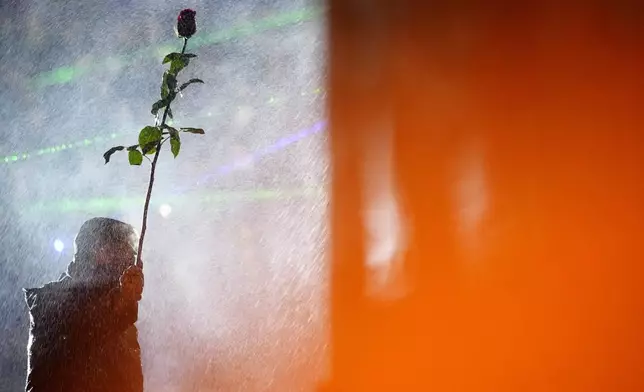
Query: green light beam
[[216, 198], [64, 147], [67, 74]]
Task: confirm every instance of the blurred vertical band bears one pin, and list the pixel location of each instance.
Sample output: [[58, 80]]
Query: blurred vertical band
[[540, 290]]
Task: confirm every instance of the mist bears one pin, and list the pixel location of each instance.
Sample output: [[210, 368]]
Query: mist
[[234, 261]]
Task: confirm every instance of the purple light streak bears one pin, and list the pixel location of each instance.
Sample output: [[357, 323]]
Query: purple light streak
[[280, 144]]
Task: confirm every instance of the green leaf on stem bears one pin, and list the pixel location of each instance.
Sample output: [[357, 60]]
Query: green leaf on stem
[[149, 148], [149, 135], [168, 84], [174, 56], [189, 82], [164, 86], [171, 57], [108, 153], [175, 145], [160, 104], [171, 130], [178, 64], [197, 131], [175, 140], [135, 157], [171, 81]]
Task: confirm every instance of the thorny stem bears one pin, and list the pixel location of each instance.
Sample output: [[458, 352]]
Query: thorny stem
[[148, 196]]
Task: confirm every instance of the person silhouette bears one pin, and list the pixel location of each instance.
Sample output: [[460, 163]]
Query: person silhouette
[[82, 333]]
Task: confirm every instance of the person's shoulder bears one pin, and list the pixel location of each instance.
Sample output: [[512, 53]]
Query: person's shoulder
[[61, 283], [32, 294]]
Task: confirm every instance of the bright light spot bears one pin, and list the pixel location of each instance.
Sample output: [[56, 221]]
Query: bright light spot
[[165, 210], [59, 245], [243, 116]]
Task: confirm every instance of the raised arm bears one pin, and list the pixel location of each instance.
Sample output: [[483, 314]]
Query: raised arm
[[112, 310], [81, 310]]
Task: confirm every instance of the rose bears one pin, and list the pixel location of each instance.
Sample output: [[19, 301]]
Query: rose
[[151, 138], [186, 24]]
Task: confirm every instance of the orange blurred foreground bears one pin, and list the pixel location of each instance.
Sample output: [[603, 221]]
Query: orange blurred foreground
[[517, 145]]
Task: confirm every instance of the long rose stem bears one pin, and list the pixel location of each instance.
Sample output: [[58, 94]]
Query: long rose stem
[[144, 226]]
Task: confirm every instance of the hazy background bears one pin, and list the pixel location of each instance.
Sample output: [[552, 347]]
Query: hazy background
[[234, 262]]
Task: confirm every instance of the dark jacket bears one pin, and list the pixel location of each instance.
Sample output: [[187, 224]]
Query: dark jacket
[[82, 338]]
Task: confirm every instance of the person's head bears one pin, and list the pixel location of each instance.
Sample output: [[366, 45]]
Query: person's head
[[103, 249]]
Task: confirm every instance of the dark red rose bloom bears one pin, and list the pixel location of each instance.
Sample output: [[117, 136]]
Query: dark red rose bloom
[[186, 24]]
